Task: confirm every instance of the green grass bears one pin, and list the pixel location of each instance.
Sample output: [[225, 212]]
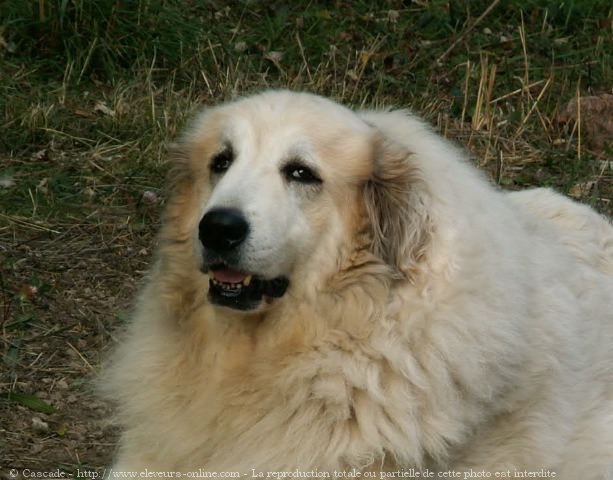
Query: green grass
[[151, 62], [91, 92]]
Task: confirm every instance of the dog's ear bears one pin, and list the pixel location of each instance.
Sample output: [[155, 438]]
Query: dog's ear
[[397, 205], [179, 168], [180, 192]]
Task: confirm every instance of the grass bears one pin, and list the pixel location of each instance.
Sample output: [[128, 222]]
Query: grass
[[92, 92]]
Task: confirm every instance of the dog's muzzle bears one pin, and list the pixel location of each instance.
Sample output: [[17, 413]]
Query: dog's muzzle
[[221, 232]]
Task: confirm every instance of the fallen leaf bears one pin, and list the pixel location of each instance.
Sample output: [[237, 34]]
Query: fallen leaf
[[28, 291], [596, 115], [84, 114], [41, 154], [150, 197], [60, 429], [104, 109], [274, 57], [39, 425], [6, 181], [561, 40], [43, 185], [581, 190], [393, 16]]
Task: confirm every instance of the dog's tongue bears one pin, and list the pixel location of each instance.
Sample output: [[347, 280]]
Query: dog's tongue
[[227, 275]]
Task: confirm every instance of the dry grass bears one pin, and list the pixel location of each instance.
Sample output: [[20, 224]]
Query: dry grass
[[83, 149]]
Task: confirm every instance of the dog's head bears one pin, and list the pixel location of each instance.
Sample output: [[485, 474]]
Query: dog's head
[[279, 191]]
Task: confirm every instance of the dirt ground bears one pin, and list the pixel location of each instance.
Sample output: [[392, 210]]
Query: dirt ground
[[87, 276]]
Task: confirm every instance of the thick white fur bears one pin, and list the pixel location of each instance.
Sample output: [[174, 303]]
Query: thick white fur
[[490, 348]]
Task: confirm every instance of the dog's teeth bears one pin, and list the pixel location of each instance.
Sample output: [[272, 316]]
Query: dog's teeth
[[247, 280]]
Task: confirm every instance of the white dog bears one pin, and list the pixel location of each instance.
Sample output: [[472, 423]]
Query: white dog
[[341, 291]]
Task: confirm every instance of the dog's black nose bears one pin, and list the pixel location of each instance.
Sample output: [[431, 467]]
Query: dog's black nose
[[223, 229]]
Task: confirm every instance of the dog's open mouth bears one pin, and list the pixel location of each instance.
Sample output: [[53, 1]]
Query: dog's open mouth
[[242, 291]]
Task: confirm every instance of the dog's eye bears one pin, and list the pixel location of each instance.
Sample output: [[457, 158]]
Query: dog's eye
[[222, 161], [296, 172]]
